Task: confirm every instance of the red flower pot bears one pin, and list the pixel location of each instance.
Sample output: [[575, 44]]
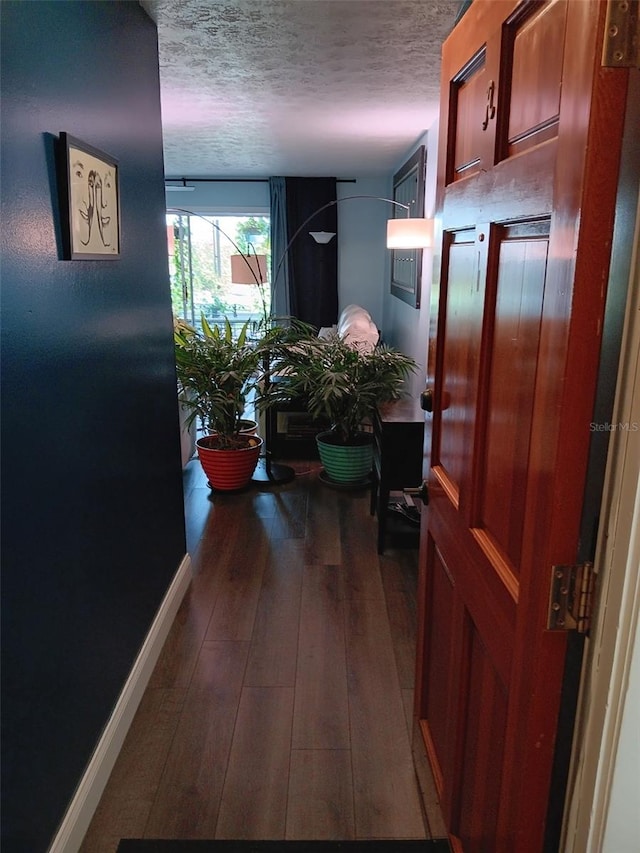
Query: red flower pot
[[229, 469]]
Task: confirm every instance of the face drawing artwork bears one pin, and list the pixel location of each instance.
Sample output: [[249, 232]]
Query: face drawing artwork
[[94, 205]]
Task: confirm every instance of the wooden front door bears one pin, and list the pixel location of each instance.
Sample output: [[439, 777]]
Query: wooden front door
[[528, 160]]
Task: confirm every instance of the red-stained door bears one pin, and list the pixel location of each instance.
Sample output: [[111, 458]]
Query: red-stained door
[[529, 147]]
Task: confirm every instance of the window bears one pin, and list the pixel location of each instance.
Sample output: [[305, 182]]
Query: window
[[200, 266]]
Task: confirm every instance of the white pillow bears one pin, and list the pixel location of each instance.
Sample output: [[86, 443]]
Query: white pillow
[[356, 328]]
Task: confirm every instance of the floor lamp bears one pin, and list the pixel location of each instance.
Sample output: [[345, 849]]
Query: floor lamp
[[410, 233], [251, 268]]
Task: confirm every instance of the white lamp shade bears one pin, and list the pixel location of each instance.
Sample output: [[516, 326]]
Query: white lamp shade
[[412, 233], [248, 269], [323, 236]]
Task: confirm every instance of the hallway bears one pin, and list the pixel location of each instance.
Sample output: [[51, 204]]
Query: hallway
[[281, 706]]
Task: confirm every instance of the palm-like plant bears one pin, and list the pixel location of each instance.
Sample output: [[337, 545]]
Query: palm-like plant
[[216, 372], [341, 382]]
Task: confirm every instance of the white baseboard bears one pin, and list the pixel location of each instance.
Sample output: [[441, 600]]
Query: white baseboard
[[85, 801]]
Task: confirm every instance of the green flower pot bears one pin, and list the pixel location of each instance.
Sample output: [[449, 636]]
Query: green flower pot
[[346, 464]]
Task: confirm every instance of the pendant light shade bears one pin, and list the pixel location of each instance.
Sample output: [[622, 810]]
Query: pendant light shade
[[412, 233], [248, 269]]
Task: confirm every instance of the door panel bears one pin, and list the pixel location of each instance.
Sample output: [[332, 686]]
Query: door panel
[[468, 95], [459, 363], [512, 354], [525, 203], [532, 74], [484, 725], [439, 663]]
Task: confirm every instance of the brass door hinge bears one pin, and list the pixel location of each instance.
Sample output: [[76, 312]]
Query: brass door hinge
[[621, 48], [571, 598]]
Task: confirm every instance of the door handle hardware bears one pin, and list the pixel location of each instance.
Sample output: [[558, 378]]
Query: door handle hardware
[[421, 492], [426, 400], [490, 109]]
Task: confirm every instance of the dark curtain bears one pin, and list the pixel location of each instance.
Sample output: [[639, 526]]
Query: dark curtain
[[313, 267], [280, 303]]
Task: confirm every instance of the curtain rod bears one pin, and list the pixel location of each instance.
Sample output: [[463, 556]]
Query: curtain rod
[[243, 180]]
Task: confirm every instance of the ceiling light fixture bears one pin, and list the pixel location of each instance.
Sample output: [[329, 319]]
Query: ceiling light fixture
[[179, 188]]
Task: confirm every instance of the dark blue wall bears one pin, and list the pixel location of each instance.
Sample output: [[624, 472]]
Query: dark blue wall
[[92, 518]]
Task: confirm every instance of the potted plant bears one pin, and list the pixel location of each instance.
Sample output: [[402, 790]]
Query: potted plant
[[343, 382], [216, 371]]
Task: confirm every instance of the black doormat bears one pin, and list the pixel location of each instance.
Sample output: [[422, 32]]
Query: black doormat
[[436, 845]]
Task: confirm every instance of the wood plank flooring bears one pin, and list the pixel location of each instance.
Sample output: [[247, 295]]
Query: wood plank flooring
[[280, 707]]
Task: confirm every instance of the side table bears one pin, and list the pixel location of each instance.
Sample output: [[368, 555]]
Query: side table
[[398, 430]]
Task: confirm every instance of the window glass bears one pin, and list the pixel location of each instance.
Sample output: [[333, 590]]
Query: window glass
[[200, 250]]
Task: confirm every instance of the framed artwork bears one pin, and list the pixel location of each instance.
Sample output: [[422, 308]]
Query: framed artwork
[[406, 264], [90, 198]]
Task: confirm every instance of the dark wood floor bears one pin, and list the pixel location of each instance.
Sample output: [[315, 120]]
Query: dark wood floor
[[281, 704]]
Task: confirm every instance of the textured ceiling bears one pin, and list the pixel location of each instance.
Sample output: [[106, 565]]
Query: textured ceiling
[[252, 88]]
